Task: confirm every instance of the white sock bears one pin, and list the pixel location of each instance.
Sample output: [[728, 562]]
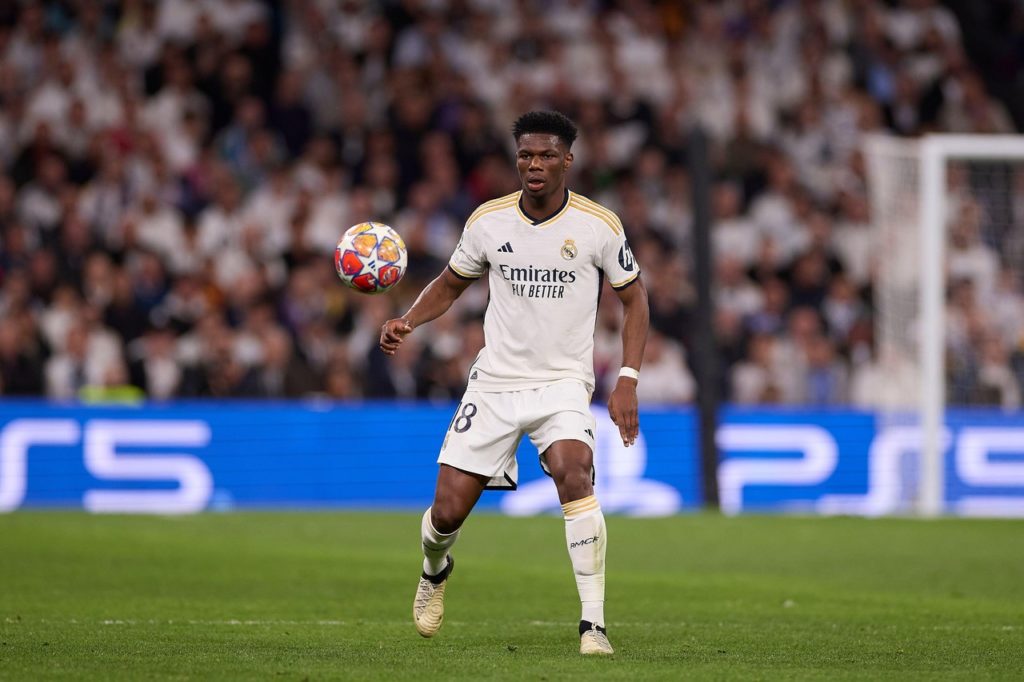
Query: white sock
[[585, 535], [435, 546]]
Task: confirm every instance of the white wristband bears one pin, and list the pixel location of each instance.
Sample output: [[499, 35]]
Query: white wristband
[[629, 372]]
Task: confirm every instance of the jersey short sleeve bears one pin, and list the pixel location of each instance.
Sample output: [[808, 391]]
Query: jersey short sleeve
[[616, 258], [469, 260]]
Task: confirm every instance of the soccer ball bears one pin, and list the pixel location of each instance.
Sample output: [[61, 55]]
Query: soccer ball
[[371, 257]]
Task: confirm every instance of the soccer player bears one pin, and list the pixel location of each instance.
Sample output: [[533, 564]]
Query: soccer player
[[545, 250]]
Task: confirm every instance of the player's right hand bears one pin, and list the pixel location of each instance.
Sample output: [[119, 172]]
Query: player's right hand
[[392, 333]]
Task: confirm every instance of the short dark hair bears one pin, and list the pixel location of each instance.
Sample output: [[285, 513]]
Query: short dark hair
[[545, 122]]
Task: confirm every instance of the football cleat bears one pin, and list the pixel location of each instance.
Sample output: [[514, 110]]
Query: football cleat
[[594, 640], [428, 607]]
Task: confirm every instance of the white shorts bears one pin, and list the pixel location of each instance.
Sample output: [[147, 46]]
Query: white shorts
[[484, 434]]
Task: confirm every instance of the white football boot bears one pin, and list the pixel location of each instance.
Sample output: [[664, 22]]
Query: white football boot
[[428, 607], [594, 640]]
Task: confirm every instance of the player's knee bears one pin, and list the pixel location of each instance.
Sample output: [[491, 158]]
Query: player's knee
[[446, 517], [573, 484]]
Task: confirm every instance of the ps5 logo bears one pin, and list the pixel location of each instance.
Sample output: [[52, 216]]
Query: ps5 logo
[[984, 460], [101, 439]]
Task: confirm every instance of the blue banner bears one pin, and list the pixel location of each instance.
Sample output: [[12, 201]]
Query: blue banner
[[189, 457], [851, 462]]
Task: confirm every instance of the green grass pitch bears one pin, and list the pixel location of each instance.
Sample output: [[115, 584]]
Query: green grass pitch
[[297, 596]]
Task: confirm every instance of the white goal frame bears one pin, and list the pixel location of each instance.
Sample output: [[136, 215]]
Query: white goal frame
[[933, 153]]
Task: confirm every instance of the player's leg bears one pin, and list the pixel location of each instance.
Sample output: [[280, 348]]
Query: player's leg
[[454, 497], [478, 453], [570, 463], [562, 429]]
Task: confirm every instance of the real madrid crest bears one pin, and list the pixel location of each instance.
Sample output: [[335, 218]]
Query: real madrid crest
[[569, 249]]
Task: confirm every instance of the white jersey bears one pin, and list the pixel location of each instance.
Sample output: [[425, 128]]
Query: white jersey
[[545, 279]]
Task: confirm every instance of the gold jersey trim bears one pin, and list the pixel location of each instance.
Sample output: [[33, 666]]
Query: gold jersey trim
[[625, 282], [462, 274], [593, 205], [492, 205], [600, 216]]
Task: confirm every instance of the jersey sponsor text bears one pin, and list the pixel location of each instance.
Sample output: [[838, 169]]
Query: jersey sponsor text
[[532, 274]]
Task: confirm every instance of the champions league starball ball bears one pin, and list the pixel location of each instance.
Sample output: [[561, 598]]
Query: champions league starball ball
[[371, 257]]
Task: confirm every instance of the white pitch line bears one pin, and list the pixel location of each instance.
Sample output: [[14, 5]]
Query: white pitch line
[[272, 622], [233, 621]]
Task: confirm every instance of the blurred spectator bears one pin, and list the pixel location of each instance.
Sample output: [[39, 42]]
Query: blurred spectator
[[734, 292], [39, 200], [731, 341], [219, 371], [754, 380], [970, 109], [889, 381], [970, 258], [771, 317], [826, 378], [842, 310], [733, 234], [283, 373], [115, 387], [793, 354], [70, 368], [852, 238], [340, 383], [398, 380], [154, 366], [21, 372], [671, 296], [808, 279], [157, 227], [997, 384], [124, 312]]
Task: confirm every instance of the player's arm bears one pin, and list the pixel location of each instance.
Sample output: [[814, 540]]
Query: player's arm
[[622, 403], [436, 298]]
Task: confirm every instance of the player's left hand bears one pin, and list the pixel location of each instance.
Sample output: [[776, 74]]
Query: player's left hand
[[622, 408]]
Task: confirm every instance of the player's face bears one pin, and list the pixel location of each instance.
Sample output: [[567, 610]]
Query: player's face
[[542, 161]]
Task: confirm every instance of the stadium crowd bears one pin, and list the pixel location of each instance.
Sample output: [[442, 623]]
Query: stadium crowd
[[176, 174]]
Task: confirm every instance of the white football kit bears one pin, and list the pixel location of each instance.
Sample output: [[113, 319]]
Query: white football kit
[[535, 374]]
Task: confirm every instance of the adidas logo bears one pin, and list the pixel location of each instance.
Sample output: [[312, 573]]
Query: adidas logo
[[505, 248], [589, 432], [473, 375]]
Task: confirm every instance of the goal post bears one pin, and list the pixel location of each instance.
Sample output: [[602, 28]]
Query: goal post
[[908, 183]]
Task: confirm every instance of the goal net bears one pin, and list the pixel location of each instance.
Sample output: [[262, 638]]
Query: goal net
[[948, 228]]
